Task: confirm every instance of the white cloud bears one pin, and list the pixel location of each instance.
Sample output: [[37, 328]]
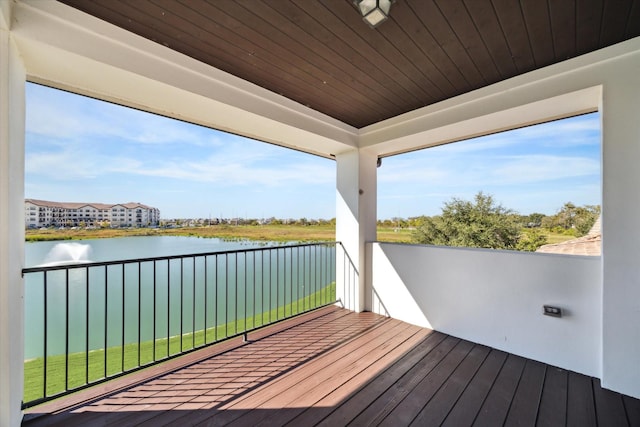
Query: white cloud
[[541, 168]]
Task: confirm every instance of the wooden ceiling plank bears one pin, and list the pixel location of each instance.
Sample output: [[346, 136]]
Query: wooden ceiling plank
[[486, 21], [538, 25], [563, 28], [399, 38], [513, 26], [371, 43], [271, 42], [345, 34], [320, 55], [224, 52], [431, 16], [305, 30], [632, 28], [281, 48], [465, 29], [614, 21], [588, 21], [212, 37], [225, 25], [423, 39]]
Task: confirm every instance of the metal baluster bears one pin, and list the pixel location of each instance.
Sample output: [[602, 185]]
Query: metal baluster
[[181, 300], [86, 330], [123, 318], [193, 311], [46, 327], [155, 284], [139, 308], [106, 315], [168, 305], [206, 300], [66, 323]]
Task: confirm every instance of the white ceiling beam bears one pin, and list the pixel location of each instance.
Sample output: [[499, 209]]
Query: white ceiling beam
[[561, 90], [71, 50]]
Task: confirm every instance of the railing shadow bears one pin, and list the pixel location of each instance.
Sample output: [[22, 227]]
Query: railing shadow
[[101, 320], [208, 390]]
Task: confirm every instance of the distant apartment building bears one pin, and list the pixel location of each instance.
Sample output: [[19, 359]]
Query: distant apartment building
[[42, 213]]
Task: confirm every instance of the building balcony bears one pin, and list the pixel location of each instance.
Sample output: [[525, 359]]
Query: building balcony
[[336, 367], [272, 347], [424, 78]]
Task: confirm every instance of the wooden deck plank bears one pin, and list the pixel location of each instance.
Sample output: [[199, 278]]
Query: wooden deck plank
[[553, 403], [341, 368], [526, 401], [609, 406], [632, 408], [437, 409], [468, 406], [495, 408], [345, 385], [386, 402], [354, 327], [379, 385], [324, 407], [331, 372], [242, 405], [581, 410], [318, 318], [411, 405]]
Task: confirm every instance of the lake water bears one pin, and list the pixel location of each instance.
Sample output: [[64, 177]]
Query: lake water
[[36, 253], [114, 305]]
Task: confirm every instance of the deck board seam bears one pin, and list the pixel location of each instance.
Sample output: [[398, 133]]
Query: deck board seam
[[364, 384], [381, 417], [448, 377], [490, 389], [316, 359], [453, 405]]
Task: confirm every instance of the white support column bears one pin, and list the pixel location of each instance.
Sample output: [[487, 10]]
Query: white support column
[[355, 223], [12, 130], [621, 229]]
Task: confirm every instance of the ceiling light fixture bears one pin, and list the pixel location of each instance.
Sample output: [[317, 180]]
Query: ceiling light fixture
[[374, 12]]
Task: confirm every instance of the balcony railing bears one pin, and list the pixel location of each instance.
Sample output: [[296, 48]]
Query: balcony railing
[[89, 322]]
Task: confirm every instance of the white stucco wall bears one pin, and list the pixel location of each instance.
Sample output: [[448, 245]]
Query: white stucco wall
[[608, 81], [495, 298], [12, 113]]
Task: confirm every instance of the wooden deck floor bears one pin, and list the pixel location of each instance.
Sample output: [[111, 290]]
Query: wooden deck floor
[[332, 368]]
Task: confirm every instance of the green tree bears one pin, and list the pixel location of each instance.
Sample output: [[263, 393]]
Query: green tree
[[531, 240], [480, 224], [577, 219], [534, 219]]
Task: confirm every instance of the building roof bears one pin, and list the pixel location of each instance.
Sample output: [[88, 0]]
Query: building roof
[[590, 244], [79, 205], [321, 54]]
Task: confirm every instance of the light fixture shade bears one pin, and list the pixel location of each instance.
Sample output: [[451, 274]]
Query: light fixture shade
[[374, 12]]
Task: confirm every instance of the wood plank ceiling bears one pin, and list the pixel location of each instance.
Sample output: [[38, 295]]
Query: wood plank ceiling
[[321, 54]]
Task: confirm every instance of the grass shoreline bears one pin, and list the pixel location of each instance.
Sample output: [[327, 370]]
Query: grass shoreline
[[260, 233], [267, 233], [173, 345]]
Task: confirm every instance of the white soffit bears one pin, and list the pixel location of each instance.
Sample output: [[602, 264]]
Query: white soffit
[[561, 90], [65, 48], [558, 107]]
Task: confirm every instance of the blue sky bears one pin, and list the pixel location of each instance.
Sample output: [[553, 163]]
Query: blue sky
[[533, 169], [79, 149]]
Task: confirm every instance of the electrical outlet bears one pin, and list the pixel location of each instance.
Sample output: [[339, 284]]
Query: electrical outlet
[[550, 310]]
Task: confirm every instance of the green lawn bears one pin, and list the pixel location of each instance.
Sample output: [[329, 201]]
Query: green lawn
[[78, 375]]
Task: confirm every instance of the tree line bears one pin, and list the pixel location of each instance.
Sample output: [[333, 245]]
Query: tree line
[[483, 223]]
